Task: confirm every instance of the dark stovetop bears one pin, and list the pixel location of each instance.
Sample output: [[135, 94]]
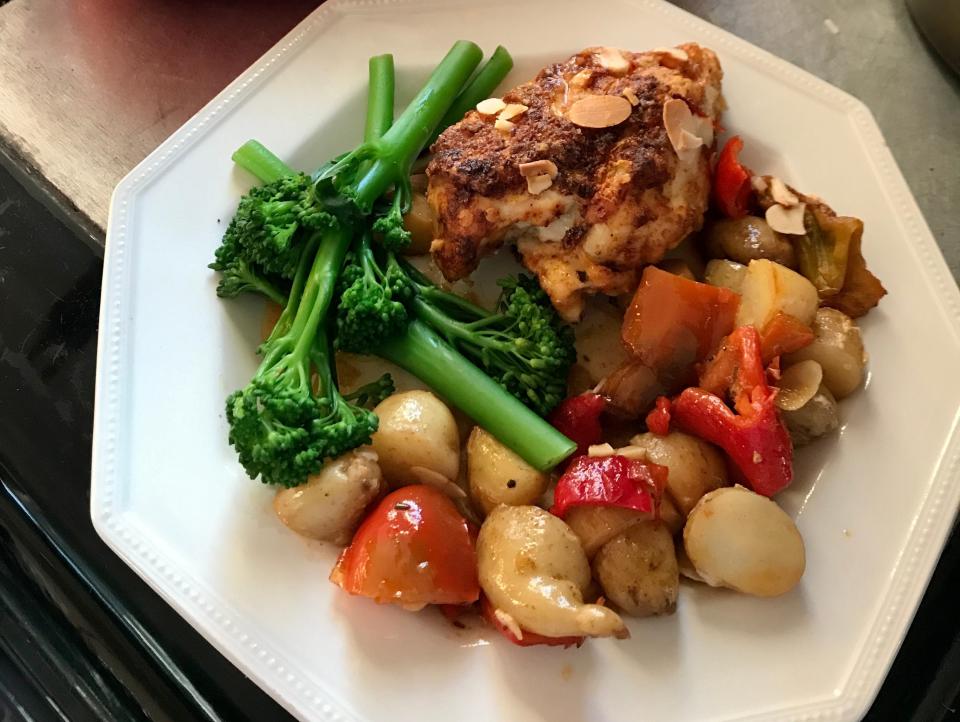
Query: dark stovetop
[[81, 637]]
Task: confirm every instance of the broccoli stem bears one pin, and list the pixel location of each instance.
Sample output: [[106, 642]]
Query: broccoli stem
[[479, 88], [380, 91], [254, 157], [318, 291], [402, 143], [451, 328], [431, 359]]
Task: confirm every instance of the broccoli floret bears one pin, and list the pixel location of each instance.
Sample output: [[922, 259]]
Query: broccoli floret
[[282, 429], [523, 344], [373, 299], [240, 276], [272, 224]]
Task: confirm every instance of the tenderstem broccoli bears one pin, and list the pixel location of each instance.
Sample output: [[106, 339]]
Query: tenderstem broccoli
[[282, 429], [493, 366]]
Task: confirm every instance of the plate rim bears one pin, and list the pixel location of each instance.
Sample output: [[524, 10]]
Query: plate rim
[[191, 598]]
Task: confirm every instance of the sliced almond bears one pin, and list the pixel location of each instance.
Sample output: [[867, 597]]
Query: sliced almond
[[581, 79], [759, 183], [600, 111], [504, 126], [631, 96], [512, 110], [787, 220], [781, 194], [689, 141], [537, 184], [613, 60], [601, 450], [676, 53], [538, 167], [798, 384], [491, 106]]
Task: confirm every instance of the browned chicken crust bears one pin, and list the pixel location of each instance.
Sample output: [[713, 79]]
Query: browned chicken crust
[[622, 196]]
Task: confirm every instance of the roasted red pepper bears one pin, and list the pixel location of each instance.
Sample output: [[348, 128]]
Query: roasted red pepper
[[658, 420], [754, 436], [731, 181], [610, 481], [673, 322], [578, 418], [784, 334], [529, 639]]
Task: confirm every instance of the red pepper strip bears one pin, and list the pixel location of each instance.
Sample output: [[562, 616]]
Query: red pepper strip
[[754, 437], [529, 638], [731, 181], [781, 334], [609, 481], [658, 420], [578, 418]]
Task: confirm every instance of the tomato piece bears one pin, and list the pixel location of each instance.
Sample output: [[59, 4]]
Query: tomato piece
[[674, 322], [414, 549], [609, 481], [529, 639], [731, 181], [578, 418]]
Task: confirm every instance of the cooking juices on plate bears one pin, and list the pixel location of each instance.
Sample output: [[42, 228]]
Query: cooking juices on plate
[[550, 514]]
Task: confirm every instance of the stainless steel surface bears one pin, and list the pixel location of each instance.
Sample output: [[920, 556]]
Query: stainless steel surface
[[939, 20], [89, 87]]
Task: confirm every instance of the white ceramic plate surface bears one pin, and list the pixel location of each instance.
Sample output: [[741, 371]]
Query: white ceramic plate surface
[[874, 503]]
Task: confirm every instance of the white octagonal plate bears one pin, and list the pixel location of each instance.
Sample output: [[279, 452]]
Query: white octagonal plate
[[874, 504]]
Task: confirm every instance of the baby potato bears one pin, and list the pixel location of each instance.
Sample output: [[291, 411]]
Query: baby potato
[[738, 539], [725, 274], [498, 476], [416, 430], [330, 505], [534, 572], [419, 220], [817, 417], [838, 348], [747, 239], [768, 288], [596, 525], [696, 466], [638, 570]]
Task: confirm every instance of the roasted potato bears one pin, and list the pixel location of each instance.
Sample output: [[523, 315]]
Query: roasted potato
[[638, 570], [748, 239], [696, 467], [330, 505], [596, 525], [738, 539], [818, 417], [533, 570], [769, 288], [498, 476], [419, 220], [838, 348], [726, 274], [417, 430]]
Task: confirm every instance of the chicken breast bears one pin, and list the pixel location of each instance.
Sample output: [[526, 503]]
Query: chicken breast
[[577, 167]]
